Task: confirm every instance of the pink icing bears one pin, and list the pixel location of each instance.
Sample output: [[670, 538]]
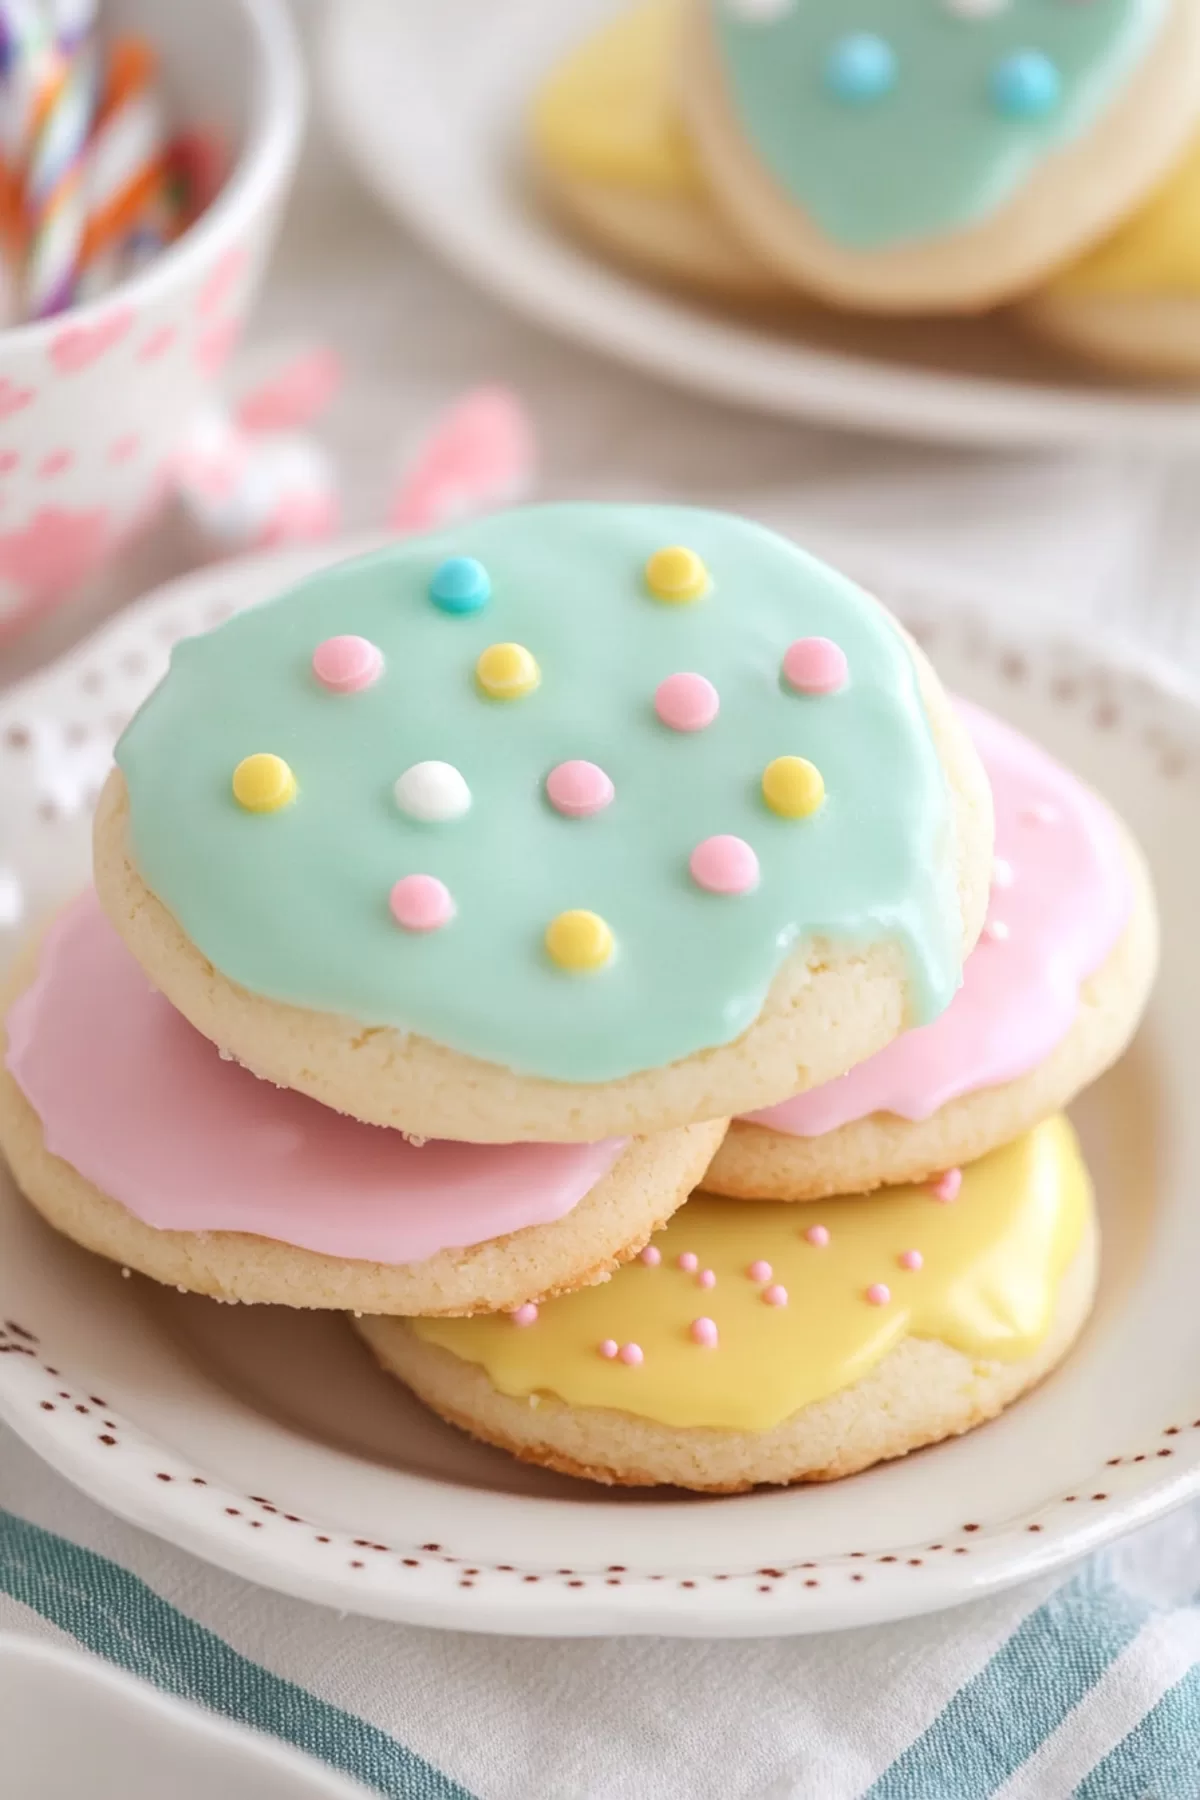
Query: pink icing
[[724, 865], [1064, 901], [686, 702], [346, 665], [144, 1108], [814, 666], [578, 789], [421, 903]]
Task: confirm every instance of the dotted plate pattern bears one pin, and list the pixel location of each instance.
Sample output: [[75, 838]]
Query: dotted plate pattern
[[56, 734]]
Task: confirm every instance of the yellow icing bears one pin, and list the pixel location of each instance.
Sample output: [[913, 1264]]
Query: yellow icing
[[992, 1263], [579, 940], [1155, 251], [607, 112], [793, 787], [263, 783]]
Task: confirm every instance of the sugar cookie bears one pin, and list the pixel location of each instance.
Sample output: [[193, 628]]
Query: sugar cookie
[[675, 950], [609, 152], [909, 1321], [1133, 303], [1050, 997], [130, 1135], [912, 156]]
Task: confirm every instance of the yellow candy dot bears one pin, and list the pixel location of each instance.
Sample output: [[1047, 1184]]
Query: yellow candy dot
[[263, 783], [792, 787], [507, 672], [579, 940], [676, 575]]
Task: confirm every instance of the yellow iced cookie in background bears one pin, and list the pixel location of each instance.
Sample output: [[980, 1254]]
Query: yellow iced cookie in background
[[610, 150], [1134, 301]]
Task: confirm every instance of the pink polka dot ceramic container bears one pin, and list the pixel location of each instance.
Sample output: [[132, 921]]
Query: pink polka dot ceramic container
[[323, 1480], [92, 403]]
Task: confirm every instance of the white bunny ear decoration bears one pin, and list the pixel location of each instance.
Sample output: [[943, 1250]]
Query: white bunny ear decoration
[[478, 456]]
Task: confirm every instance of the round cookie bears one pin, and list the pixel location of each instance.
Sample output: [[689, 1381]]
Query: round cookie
[[1050, 997], [130, 1135], [904, 156], [1133, 303], [694, 827], [899, 1321], [610, 153]]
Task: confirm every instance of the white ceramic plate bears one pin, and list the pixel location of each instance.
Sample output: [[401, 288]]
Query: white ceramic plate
[[126, 1738], [428, 102], [267, 1442]]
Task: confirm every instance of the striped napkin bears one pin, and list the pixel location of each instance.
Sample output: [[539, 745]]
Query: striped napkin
[[1088, 1686]]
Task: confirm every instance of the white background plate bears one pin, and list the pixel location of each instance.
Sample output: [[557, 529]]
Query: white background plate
[[267, 1442], [428, 101]]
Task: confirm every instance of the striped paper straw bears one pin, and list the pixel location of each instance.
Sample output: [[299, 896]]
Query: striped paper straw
[[55, 196], [125, 163]]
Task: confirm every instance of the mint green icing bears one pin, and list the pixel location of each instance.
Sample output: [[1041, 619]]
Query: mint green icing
[[294, 904], [934, 154]]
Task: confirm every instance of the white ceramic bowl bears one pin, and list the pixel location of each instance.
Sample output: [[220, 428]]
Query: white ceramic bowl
[[92, 403], [127, 1738]]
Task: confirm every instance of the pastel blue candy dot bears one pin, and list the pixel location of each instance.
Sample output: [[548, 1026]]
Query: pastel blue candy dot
[[1026, 85], [861, 68], [460, 585]]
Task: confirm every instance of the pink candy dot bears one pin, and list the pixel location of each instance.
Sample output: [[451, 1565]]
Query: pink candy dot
[[346, 665], [911, 1259], [775, 1296], [947, 1186], [814, 665], [421, 903], [706, 1279], [631, 1354], [578, 789], [878, 1294], [525, 1315], [724, 865], [652, 1256], [686, 702], [704, 1331], [818, 1235], [996, 931], [608, 1348], [760, 1271], [688, 1261]]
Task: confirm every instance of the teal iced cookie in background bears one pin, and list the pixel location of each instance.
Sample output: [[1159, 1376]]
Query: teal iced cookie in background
[[541, 794], [900, 121]]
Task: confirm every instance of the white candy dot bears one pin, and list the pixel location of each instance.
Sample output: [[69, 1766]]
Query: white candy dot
[[976, 9], [432, 792]]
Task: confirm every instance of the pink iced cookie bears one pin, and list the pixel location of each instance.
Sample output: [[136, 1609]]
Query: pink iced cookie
[[146, 1110], [1060, 902]]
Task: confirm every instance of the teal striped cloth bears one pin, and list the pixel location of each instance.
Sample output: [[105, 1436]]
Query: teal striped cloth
[[1088, 1687]]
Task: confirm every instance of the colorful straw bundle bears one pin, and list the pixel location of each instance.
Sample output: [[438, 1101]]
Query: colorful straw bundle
[[91, 183]]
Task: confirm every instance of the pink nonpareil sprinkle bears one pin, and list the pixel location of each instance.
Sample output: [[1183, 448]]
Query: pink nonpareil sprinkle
[[911, 1259], [879, 1293], [760, 1271], [525, 1315], [704, 1331], [948, 1186], [706, 1279], [775, 1295], [631, 1354], [609, 1348], [688, 1261], [818, 1235], [651, 1256]]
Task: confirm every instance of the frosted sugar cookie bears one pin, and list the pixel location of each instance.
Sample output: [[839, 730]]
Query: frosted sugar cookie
[[609, 150], [1133, 303], [571, 823], [1050, 997], [747, 1346], [130, 1135], [935, 155]]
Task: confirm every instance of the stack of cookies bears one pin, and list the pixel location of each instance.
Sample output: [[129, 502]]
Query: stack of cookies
[[898, 157], [448, 907]]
